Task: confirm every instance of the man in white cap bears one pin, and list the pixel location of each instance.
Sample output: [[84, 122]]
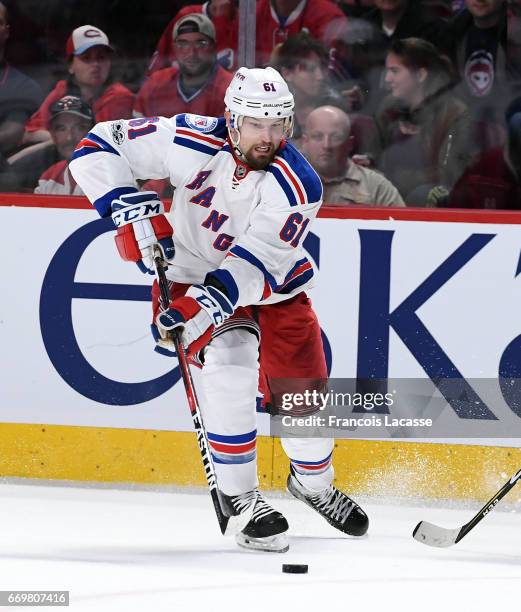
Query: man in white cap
[[89, 57], [197, 84], [244, 201]]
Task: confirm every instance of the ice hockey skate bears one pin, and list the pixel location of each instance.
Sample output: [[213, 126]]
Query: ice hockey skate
[[338, 509], [266, 529]]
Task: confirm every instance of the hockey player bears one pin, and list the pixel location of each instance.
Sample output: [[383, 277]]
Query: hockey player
[[244, 200]]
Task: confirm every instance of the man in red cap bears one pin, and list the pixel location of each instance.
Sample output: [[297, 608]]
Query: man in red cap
[[197, 85], [90, 58]]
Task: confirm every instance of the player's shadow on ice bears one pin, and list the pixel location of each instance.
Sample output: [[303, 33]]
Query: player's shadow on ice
[[184, 557]]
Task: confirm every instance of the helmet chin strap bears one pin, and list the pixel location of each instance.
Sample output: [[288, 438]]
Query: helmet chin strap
[[235, 127], [235, 143]]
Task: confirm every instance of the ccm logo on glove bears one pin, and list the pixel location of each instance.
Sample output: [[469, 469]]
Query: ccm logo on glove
[[129, 214], [197, 313], [141, 223]]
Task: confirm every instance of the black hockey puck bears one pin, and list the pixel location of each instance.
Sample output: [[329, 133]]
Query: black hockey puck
[[292, 568]]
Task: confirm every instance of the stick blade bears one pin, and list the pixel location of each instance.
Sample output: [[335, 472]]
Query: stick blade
[[433, 535]]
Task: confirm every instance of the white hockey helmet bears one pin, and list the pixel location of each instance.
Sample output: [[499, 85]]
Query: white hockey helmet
[[261, 93]]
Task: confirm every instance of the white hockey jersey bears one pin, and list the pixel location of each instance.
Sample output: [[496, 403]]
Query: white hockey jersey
[[245, 226]]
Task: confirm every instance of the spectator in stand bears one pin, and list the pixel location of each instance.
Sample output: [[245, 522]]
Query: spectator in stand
[[71, 119], [90, 56], [494, 181], [279, 19], [359, 48], [356, 65], [327, 144], [44, 165], [276, 21], [476, 43], [198, 85], [20, 96], [433, 8], [356, 8], [428, 136], [302, 61], [399, 19], [224, 16]]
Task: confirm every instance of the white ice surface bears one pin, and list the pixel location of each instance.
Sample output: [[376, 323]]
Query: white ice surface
[[155, 551]]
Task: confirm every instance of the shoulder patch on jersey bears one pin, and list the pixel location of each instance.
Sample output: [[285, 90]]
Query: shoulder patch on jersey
[[209, 142], [200, 123], [214, 126], [296, 176]]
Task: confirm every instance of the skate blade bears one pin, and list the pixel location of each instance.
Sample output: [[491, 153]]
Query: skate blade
[[276, 543]]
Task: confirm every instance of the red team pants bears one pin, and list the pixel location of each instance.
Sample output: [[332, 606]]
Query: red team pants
[[288, 358]]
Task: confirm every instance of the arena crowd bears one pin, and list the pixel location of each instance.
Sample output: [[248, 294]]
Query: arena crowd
[[397, 102]]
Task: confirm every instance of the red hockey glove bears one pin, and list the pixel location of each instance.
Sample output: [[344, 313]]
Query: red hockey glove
[[197, 313]]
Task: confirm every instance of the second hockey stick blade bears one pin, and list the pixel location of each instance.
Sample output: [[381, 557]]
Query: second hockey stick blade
[[440, 537], [433, 535]]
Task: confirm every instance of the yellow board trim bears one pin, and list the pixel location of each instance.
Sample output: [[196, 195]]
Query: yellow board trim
[[362, 467]]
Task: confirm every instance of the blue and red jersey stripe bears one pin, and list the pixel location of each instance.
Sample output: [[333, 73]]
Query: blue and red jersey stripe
[[240, 448]]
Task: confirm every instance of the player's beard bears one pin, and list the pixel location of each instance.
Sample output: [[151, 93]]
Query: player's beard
[[256, 161]]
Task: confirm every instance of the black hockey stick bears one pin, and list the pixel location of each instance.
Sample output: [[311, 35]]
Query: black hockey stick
[[433, 535], [227, 527]]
